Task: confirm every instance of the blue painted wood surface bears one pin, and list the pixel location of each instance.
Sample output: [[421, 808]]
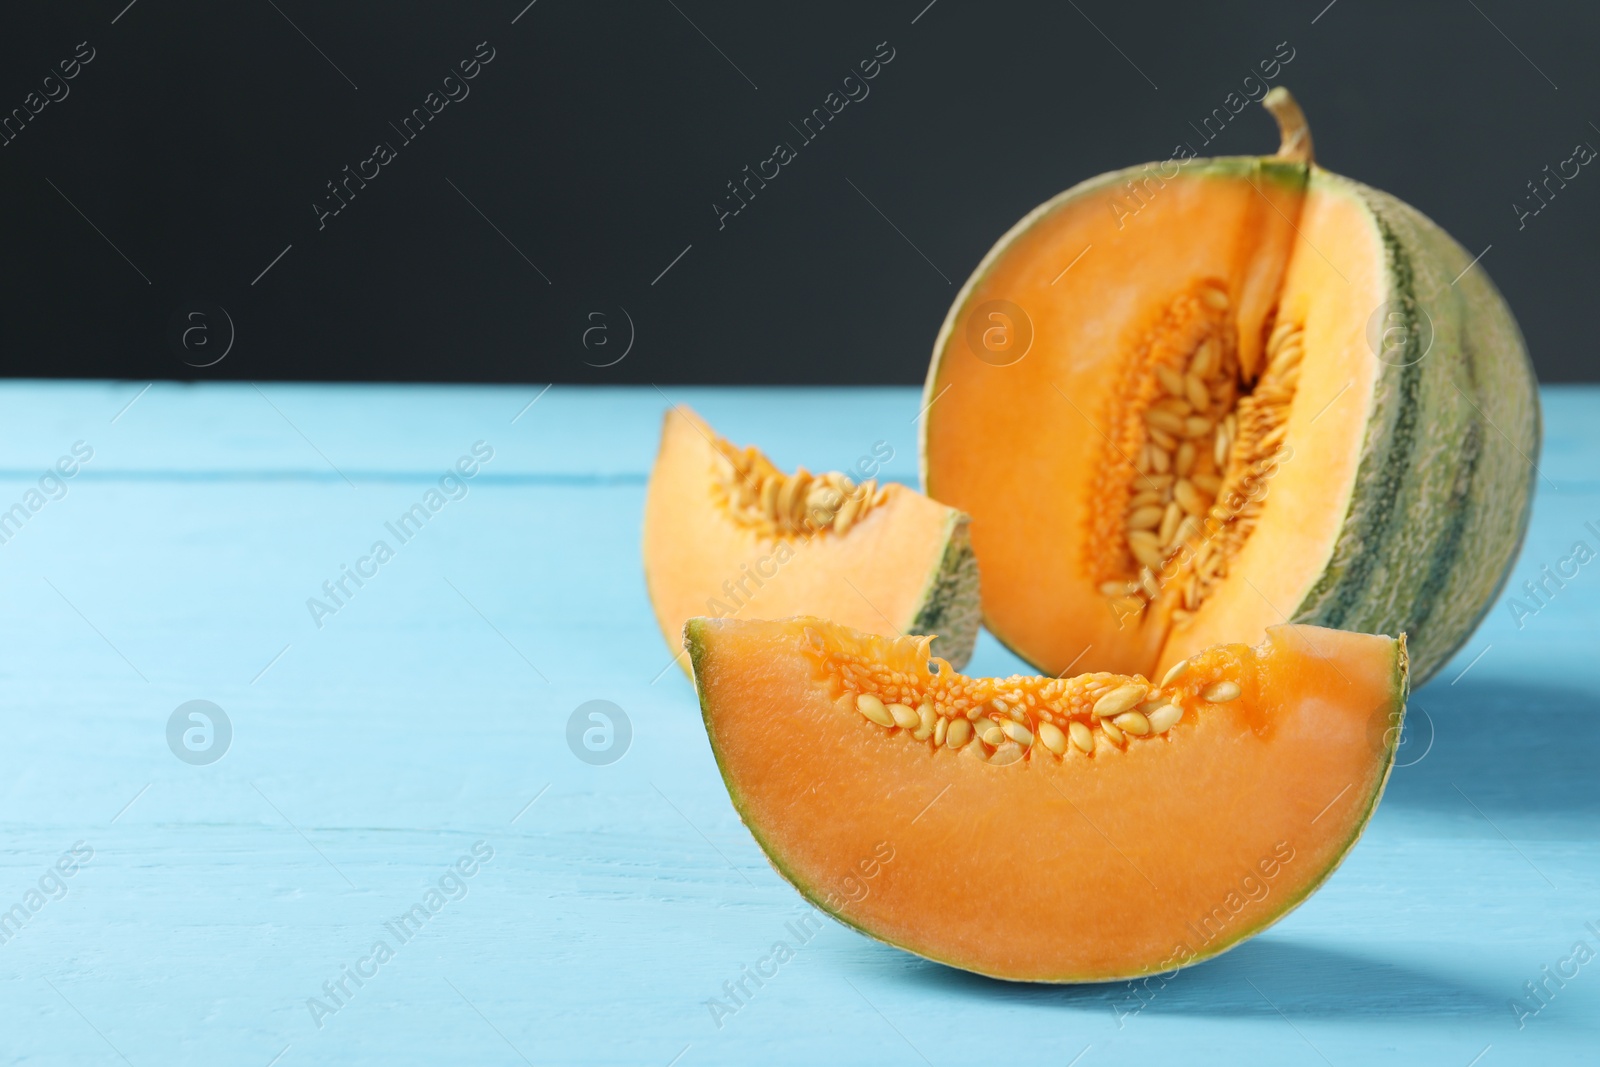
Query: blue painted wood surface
[[428, 716]]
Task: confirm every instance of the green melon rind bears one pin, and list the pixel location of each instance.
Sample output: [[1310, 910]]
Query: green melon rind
[[693, 641], [1444, 488], [952, 606]]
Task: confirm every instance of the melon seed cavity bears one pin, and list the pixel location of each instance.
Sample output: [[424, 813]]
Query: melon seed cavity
[[758, 495], [1006, 720], [1191, 446]]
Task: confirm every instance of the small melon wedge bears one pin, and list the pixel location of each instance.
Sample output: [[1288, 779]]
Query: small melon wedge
[[1002, 826], [727, 534]]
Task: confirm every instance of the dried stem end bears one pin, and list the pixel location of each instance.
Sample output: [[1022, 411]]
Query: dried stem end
[[1293, 130]]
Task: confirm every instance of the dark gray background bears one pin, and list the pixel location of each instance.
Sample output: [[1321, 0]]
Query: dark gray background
[[189, 153]]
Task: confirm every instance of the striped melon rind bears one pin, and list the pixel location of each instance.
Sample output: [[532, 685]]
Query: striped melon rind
[[1442, 495], [951, 605]]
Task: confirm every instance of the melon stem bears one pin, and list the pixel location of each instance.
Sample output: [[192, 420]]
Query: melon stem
[[1293, 131]]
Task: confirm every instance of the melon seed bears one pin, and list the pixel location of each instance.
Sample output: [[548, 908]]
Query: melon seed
[[1119, 700], [1053, 738], [792, 489], [873, 708], [1189, 498], [903, 716], [959, 733], [1164, 420], [1162, 438], [1146, 518], [1183, 462], [822, 500], [1146, 552], [847, 513], [1215, 298], [1170, 380], [1018, 733], [1148, 496], [939, 731], [1081, 736], [1144, 537], [1111, 731], [1006, 754], [1165, 718], [1170, 520], [1220, 692], [1147, 582], [925, 722], [990, 732], [1133, 722]]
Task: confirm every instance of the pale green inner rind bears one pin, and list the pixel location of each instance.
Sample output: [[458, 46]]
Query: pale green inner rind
[[951, 606], [1442, 495]]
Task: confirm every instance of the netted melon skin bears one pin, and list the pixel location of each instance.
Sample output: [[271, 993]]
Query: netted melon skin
[[1444, 490]]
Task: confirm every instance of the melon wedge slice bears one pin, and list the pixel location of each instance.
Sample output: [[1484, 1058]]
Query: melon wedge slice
[[1002, 826], [727, 534]]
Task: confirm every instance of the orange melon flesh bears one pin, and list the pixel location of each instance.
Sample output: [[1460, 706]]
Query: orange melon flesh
[[904, 566], [1022, 864], [1331, 287]]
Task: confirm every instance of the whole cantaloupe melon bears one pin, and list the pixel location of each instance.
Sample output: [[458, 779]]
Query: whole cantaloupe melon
[[1188, 401]]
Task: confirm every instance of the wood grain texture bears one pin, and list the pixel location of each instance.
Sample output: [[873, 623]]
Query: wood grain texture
[[427, 713]]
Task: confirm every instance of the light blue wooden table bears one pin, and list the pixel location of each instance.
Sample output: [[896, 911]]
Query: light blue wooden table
[[208, 904]]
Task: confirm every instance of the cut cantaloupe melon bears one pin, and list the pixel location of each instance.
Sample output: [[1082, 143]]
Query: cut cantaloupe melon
[[1185, 402], [1048, 829], [726, 534]]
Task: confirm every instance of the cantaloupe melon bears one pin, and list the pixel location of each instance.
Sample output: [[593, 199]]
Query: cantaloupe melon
[[1050, 829], [1188, 401], [727, 534]]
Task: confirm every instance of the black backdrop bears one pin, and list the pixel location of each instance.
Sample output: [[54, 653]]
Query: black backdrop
[[161, 208]]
